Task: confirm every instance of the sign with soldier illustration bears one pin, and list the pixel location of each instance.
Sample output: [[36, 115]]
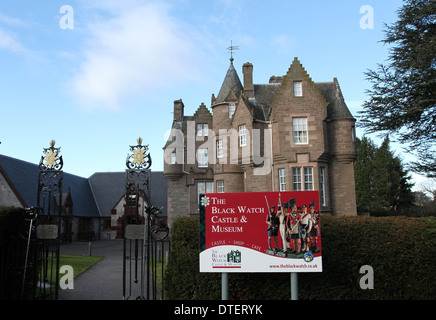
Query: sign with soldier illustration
[[260, 232]]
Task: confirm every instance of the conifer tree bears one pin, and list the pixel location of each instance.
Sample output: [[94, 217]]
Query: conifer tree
[[402, 101], [382, 176], [364, 173], [382, 183]]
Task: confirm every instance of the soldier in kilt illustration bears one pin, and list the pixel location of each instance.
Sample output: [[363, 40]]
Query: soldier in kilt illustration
[[306, 226], [283, 216], [315, 233], [294, 227], [273, 228]]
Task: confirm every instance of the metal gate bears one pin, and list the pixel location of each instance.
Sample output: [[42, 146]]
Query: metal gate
[[41, 268], [145, 249]]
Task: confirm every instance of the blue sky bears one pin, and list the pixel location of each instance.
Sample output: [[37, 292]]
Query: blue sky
[[110, 73]]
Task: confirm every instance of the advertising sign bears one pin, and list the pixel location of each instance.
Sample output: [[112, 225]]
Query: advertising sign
[[260, 232]]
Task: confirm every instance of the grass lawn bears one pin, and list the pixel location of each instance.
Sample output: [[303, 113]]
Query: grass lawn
[[78, 262], [159, 279]]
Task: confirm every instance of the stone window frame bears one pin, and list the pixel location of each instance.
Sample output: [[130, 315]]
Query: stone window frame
[[205, 184], [202, 129], [298, 132], [282, 179], [308, 179], [202, 158], [232, 110], [220, 186], [323, 185], [220, 148], [242, 134], [299, 178], [297, 184], [298, 89]]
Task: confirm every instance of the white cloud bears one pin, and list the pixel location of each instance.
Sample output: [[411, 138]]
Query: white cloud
[[139, 49], [10, 20], [8, 42]]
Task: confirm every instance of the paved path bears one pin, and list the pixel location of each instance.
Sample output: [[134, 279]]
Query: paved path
[[102, 281]]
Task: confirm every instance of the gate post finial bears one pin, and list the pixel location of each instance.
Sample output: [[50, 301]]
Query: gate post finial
[[51, 159]]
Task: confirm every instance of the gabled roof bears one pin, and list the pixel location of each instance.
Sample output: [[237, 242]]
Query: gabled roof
[[24, 176], [83, 200], [330, 91], [231, 84], [202, 109], [265, 93], [5, 162], [336, 108], [258, 111], [93, 197], [109, 187]]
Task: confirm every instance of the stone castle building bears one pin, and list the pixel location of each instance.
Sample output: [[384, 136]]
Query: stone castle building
[[291, 134]]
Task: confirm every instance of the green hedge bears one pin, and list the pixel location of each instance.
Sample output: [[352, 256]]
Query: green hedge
[[12, 252], [11, 223], [400, 250]]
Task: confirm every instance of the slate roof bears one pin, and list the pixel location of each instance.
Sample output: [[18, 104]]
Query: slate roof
[[93, 197], [231, 83], [24, 177], [109, 187], [260, 105], [265, 93], [258, 110], [337, 108]]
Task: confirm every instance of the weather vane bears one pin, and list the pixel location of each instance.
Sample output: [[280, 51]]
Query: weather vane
[[232, 48]]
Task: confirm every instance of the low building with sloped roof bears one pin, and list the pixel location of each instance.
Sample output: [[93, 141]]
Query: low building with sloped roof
[[88, 203]]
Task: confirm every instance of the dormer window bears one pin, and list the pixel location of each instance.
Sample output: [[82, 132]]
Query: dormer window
[[298, 89]]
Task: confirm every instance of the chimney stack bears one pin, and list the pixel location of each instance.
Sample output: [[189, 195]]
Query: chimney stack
[[247, 71], [178, 110]]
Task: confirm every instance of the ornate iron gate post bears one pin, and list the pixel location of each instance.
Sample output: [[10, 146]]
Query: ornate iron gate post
[[135, 236], [140, 231], [46, 219]]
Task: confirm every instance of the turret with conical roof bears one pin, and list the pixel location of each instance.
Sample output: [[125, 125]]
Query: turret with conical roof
[[231, 85]]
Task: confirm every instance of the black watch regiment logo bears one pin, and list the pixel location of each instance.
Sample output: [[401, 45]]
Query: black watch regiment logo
[[227, 259]]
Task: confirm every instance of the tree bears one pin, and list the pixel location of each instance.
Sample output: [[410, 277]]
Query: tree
[[383, 176], [382, 183], [402, 101], [364, 173]]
